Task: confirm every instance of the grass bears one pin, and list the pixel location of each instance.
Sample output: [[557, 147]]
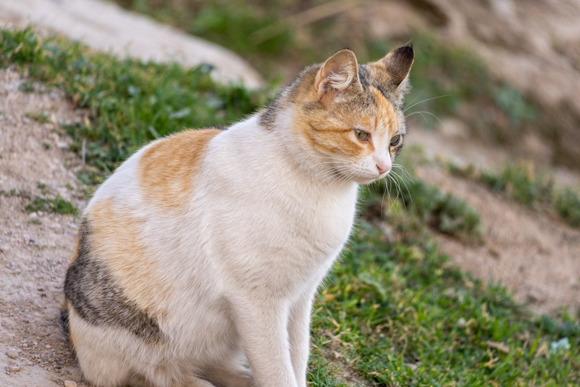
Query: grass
[[393, 312], [129, 102], [45, 203], [41, 117], [399, 315], [56, 205], [523, 184]]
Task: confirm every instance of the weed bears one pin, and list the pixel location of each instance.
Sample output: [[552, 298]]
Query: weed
[[442, 212], [58, 205], [15, 193], [515, 106], [27, 86], [567, 203], [42, 187], [38, 117], [521, 183]]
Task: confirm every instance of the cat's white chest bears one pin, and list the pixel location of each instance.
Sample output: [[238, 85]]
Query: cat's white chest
[[330, 221]]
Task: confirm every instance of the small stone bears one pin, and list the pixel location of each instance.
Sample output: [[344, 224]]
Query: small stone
[[461, 323], [47, 346], [70, 383], [33, 215], [14, 369], [12, 355], [449, 293]]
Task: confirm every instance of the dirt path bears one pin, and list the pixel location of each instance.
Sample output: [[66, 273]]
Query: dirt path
[[34, 248]]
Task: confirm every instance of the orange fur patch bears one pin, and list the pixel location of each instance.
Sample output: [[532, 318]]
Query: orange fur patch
[[168, 169], [72, 334], [116, 240]]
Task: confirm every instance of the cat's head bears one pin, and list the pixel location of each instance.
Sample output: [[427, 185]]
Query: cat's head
[[350, 116]]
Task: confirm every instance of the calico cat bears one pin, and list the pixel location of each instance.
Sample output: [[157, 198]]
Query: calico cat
[[206, 248]]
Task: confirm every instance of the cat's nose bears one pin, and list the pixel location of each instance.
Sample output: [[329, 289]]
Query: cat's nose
[[383, 167]]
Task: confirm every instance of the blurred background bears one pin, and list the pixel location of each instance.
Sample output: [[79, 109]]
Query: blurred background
[[464, 267], [507, 71]]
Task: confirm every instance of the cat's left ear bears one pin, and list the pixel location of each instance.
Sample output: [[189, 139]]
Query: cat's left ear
[[397, 64], [337, 77]]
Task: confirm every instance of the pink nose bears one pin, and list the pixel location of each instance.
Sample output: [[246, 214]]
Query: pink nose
[[383, 168]]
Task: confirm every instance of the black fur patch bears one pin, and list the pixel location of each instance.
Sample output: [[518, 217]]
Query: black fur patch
[[99, 300], [268, 116], [64, 325]]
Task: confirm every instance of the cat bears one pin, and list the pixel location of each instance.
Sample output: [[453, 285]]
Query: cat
[[204, 250]]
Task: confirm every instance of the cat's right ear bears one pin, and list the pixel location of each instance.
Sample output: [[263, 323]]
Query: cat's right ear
[[337, 77]]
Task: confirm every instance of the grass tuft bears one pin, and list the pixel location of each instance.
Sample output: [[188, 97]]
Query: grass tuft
[[56, 205], [528, 187]]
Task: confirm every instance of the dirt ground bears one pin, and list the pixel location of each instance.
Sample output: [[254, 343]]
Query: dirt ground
[[34, 248], [535, 256]]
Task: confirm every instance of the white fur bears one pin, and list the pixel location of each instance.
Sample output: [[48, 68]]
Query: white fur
[[243, 262]]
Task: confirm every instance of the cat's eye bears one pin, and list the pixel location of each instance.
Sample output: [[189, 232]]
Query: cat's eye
[[361, 135], [395, 140]]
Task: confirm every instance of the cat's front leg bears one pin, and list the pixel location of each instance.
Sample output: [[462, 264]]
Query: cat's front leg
[[299, 334], [263, 328]]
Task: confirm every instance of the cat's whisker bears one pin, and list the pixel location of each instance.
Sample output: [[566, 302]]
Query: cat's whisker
[[405, 184], [421, 112], [404, 170], [399, 190], [416, 98], [425, 100]]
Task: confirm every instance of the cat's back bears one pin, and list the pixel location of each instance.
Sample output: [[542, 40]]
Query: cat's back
[[132, 224], [161, 176]]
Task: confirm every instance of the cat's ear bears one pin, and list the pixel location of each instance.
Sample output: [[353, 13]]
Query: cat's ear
[[397, 63], [337, 77]]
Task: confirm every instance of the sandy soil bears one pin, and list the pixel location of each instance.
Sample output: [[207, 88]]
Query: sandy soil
[[34, 248], [535, 256]]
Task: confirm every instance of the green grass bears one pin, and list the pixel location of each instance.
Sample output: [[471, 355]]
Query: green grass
[[567, 203], [44, 203], [523, 184], [130, 102], [403, 317], [41, 117], [393, 312], [56, 205]]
